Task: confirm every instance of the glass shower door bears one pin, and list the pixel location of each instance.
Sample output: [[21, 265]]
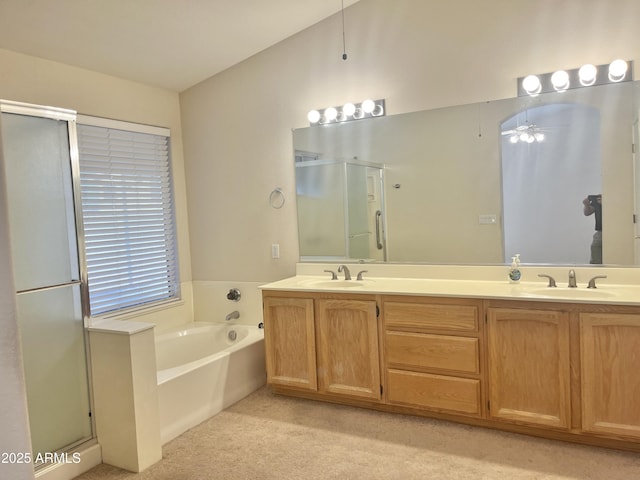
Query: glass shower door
[[46, 268]]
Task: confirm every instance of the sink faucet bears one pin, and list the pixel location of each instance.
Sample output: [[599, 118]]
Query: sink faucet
[[572, 279], [347, 273]]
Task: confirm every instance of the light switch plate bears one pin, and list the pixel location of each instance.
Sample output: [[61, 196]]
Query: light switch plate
[[487, 219]]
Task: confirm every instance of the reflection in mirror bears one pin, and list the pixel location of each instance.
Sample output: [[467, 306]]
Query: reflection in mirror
[[545, 177], [340, 209], [457, 191]]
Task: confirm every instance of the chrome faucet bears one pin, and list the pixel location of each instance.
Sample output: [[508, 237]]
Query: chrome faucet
[[233, 315], [347, 273], [572, 279]]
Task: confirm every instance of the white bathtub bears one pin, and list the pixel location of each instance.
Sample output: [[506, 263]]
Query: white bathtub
[[201, 371]]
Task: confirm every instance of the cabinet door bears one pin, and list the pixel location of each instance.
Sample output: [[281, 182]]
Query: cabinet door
[[289, 336], [610, 351], [348, 360], [529, 373]]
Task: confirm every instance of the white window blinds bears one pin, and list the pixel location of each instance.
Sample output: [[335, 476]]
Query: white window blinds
[[128, 216]]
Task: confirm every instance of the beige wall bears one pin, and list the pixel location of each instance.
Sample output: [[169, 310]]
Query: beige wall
[[416, 54]]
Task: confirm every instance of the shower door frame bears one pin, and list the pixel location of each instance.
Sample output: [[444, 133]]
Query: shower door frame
[[70, 117]]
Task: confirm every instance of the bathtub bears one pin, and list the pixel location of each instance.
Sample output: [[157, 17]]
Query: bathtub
[[202, 369]]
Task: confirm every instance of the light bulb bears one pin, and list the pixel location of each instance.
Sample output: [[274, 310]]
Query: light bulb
[[513, 139], [532, 85], [368, 106], [530, 138], [617, 70], [330, 114], [313, 116], [587, 74], [539, 136], [349, 109], [560, 80]]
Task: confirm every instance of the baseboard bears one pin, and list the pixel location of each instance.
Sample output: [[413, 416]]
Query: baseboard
[[89, 458]]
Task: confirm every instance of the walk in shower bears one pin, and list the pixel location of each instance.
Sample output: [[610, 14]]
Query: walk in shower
[[39, 156]]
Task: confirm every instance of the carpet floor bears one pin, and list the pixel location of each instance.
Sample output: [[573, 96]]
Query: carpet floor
[[267, 436]]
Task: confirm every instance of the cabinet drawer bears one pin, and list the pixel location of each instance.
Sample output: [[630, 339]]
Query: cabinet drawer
[[410, 350], [458, 318], [433, 391]]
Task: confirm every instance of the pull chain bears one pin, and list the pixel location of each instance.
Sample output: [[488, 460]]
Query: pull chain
[[344, 43]]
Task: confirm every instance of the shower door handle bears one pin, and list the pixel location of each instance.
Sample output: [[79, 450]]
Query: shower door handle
[[379, 230]]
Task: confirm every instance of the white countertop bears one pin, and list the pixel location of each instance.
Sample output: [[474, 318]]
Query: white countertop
[[607, 292]]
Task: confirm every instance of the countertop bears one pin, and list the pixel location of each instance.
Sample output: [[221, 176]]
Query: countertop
[[605, 293]]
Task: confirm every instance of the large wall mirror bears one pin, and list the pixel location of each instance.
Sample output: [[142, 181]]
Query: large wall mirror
[[466, 185]]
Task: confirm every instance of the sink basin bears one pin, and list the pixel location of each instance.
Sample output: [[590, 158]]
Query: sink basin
[[571, 293], [337, 283]]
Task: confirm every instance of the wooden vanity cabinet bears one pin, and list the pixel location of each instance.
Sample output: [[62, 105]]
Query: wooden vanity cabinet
[[347, 344], [290, 342], [432, 354], [529, 376], [323, 343], [610, 373], [568, 371]]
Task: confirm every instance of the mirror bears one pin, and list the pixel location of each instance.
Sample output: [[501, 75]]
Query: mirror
[[455, 189]]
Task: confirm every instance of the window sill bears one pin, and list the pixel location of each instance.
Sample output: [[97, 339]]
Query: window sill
[[135, 312]]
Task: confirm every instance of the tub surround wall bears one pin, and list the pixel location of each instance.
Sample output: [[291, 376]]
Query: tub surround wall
[[125, 393], [166, 316], [210, 303]]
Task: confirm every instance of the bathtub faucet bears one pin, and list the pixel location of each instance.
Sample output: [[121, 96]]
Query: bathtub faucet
[[233, 315]]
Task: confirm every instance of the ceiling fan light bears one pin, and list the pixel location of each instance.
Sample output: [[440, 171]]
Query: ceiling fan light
[[513, 138], [539, 136], [587, 75]]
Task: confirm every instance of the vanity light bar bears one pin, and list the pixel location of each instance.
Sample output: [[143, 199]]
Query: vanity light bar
[[347, 112], [585, 76]]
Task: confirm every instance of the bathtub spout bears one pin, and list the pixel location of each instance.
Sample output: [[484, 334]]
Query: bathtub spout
[[233, 315]]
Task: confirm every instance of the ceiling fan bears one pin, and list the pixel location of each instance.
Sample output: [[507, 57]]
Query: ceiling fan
[[528, 133]]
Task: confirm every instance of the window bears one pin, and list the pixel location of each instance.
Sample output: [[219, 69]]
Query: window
[[128, 214]]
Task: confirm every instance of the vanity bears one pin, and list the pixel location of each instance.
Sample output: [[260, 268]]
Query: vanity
[[560, 363]]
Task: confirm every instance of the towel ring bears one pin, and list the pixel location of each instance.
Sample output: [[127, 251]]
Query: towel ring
[[276, 198]]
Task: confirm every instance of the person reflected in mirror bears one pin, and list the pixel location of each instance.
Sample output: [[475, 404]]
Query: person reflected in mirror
[[593, 204]]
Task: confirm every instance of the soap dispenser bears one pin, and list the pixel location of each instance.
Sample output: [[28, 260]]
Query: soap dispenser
[[514, 269]]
